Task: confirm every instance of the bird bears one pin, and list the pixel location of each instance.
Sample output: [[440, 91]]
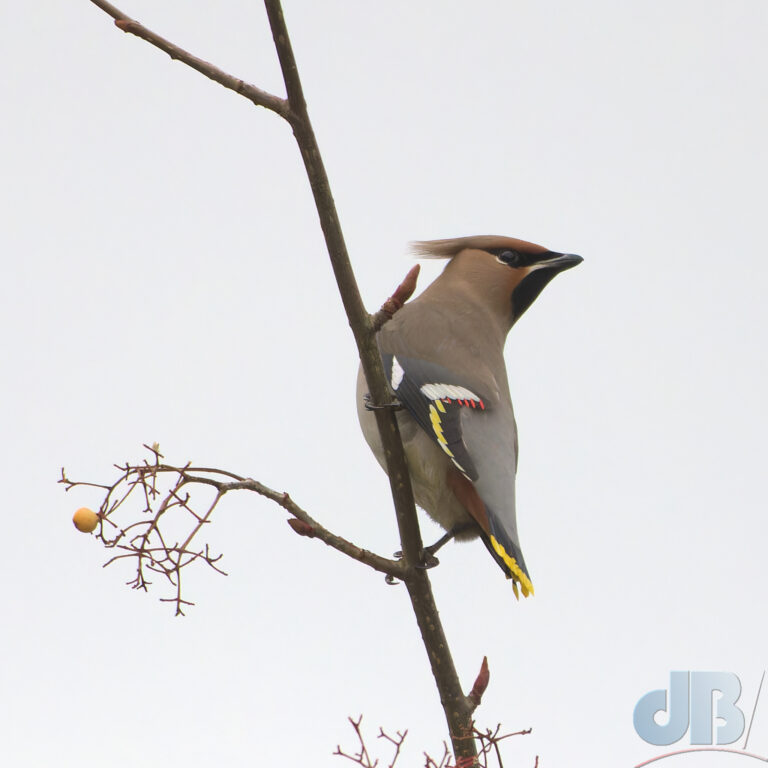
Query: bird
[[443, 357]]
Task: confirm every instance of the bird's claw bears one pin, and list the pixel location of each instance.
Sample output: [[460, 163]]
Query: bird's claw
[[369, 406], [427, 559], [391, 580]]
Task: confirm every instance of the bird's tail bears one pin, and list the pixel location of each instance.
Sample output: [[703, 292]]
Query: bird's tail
[[507, 554]]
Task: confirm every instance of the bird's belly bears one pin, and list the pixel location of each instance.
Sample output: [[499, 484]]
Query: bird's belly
[[429, 467]]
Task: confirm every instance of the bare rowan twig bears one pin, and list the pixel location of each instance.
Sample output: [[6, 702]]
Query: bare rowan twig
[[155, 491], [445, 760], [362, 757], [256, 95], [488, 739], [457, 707], [396, 741]]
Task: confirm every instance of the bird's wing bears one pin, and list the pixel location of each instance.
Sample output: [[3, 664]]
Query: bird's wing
[[434, 398], [459, 419]]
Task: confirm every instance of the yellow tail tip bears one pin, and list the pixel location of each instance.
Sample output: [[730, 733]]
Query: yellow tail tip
[[517, 574]]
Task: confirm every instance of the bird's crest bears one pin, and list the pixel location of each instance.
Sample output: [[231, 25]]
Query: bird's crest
[[447, 249]]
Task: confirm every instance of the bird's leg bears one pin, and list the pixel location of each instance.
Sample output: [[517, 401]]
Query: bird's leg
[[369, 406], [428, 553], [428, 559]]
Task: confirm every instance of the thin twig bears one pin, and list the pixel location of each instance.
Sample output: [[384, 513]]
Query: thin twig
[[145, 540], [457, 706], [396, 742], [256, 95], [362, 757]]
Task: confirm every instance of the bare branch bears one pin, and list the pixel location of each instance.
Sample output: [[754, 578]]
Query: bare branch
[[458, 707], [397, 742], [445, 760], [359, 320], [259, 97], [393, 568], [162, 492], [362, 757], [489, 742]]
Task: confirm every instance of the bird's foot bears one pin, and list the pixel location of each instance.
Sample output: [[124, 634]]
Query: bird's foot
[[427, 559], [369, 406]]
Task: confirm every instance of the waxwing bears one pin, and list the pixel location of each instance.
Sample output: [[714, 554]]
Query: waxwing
[[443, 359]]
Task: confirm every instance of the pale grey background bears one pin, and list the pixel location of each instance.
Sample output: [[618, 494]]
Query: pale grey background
[[164, 278]]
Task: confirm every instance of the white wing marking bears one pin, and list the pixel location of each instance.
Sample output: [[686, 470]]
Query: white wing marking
[[396, 376], [440, 391]]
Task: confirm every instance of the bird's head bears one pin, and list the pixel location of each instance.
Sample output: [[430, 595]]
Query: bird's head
[[503, 271]]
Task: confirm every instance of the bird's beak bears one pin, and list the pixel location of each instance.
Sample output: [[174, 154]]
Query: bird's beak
[[537, 276], [558, 262]]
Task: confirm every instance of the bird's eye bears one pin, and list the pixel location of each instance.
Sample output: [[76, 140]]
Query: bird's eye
[[511, 258]]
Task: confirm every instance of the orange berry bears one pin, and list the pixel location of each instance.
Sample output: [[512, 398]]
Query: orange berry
[[85, 520]]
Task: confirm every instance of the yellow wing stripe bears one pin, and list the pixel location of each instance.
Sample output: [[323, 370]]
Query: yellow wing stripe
[[437, 427], [517, 573]]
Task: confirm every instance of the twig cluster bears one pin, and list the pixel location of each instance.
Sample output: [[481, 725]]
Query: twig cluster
[[148, 514], [362, 757], [488, 746], [488, 742], [165, 505]]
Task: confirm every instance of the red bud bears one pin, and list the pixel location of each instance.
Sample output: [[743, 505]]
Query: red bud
[[302, 528], [481, 682]]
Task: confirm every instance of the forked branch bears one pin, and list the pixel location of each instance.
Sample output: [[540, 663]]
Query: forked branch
[[152, 516], [457, 706], [488, 741], [259, 97]]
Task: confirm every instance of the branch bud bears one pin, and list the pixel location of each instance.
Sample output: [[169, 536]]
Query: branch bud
[[481, 683], [300, 527]]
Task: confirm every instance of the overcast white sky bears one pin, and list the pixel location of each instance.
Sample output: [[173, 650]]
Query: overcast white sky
[[164, 278]]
